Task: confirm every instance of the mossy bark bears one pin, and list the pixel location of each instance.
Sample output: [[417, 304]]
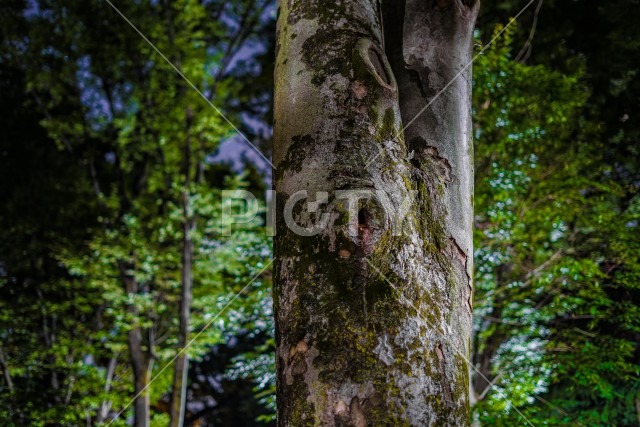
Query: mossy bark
[[373, 311]]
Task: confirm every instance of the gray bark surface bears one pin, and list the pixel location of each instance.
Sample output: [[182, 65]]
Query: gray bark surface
[[373, 326]]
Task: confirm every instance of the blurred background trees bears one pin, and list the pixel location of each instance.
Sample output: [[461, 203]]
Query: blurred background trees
[[111, 167], [557, 210], [125, 224]]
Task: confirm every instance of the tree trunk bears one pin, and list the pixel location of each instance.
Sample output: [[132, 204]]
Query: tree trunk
[[180, 373], [5, 371], [141, 367], [105, 406], [373, 306], [141, 362], [179, 390]]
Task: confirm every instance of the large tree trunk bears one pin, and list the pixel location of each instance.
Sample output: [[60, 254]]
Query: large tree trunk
[[373, 311]]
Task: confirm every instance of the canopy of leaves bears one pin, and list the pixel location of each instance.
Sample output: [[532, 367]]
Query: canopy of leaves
[[106, 156], [557, 289]]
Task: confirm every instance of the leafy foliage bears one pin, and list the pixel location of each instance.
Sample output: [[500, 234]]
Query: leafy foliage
[[555, 254], [127, 145]]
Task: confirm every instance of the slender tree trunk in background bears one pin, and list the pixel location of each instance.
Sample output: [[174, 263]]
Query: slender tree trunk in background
[[180, 374], [181, 370], [5, 371], [49, 329], [105, 406], [373, 325], [141, 362], [140, 365]]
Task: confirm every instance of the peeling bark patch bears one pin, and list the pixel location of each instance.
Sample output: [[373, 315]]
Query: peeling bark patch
[[443, 163], [446, 387], [302, 347], [358, 89], [357, 416], [456, 252], [425, 155], [353, 416], [297, 362], [340, 408]]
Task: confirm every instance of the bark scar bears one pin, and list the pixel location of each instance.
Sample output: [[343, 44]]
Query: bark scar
[[376, 62], [425, 154], [296, 363], [359, 90], [353, 416], [357, 415], [365, 233], [448, 396], [457, 251]]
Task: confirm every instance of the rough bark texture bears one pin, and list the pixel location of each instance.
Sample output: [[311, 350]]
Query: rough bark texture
[[373, 327]]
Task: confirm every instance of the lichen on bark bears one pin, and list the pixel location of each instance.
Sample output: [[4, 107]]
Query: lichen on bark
[[371, 326]]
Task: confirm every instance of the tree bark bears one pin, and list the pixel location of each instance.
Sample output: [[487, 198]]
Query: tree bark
[[373, 310], [105, 406], [141, 361], [180, 374], [5, 371]]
